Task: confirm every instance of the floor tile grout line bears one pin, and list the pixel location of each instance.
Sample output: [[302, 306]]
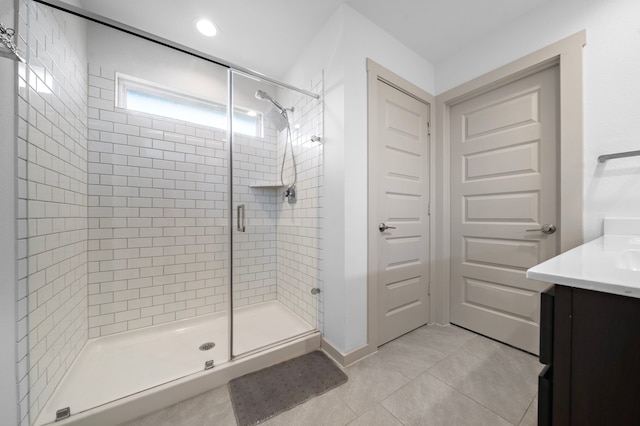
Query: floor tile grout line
[[473, 399], [503, 347], [409, 379], [355, 415], [394, 392], [527, 410], [371, 409], [399, 421], [485, 359]]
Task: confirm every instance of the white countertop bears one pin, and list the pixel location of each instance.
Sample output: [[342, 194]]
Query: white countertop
[[610, 264]]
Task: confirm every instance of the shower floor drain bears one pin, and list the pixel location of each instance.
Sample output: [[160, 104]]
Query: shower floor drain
[[207, 346]]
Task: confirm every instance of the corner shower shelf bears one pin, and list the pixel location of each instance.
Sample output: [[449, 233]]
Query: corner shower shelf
[[265, 185]]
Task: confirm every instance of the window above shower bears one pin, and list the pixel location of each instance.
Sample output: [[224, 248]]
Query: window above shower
[[136, 94]]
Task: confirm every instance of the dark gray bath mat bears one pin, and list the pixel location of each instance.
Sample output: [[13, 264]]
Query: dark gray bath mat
[[258, 396]]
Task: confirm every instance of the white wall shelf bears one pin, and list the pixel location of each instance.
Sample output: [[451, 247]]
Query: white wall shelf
[[265, 185]]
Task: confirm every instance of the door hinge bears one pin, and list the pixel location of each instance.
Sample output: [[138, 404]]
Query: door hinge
[[428, 128], [429, 209], [429, 289]]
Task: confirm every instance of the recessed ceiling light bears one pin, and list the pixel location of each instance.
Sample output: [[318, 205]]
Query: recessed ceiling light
[[206, 27], [252, 114]]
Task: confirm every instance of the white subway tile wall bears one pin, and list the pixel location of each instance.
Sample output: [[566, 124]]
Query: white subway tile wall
[[158, 215], [254, 271], [299, 223], [53, 200]]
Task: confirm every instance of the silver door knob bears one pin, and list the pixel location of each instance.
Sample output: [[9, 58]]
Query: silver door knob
[[383, 227], [546, 229]]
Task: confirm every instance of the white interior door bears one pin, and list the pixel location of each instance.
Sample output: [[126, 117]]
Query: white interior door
[[403, 202], [504, 148]]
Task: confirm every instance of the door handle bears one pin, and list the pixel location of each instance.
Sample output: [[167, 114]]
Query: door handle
[[546, 229], [240, 218], [383, 227]]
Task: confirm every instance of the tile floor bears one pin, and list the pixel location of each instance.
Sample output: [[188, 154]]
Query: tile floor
[[432, 376]]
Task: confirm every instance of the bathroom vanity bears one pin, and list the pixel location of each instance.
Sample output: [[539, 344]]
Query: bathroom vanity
[[590, 332]]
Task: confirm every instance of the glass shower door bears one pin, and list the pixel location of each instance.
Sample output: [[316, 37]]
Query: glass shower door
[[275, 198], [126, 200]]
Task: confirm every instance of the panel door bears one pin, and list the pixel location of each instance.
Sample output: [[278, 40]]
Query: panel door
[[403, 197], [503, 191]]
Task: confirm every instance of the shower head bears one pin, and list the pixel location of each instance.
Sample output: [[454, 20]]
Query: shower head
[[264, 96], [277, 117], [275, 113]]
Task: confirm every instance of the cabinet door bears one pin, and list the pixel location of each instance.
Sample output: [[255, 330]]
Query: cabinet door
[[605, 371]]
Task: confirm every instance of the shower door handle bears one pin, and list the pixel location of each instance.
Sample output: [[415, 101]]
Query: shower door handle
[[241, 226]]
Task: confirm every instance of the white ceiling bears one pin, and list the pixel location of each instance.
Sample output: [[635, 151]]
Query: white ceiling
[[268, 35]]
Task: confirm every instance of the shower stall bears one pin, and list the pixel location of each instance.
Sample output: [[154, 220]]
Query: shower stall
[[169, 211]]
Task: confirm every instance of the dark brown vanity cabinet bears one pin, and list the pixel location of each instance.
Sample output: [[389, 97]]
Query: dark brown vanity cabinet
[[590, 343]]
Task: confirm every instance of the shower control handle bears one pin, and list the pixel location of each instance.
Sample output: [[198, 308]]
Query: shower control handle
[[383, 227], [240, 218]]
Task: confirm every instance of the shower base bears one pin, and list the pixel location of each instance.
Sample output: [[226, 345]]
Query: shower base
[[122, 376]]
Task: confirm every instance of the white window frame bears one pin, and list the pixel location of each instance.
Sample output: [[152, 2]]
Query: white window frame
[[124, 83]]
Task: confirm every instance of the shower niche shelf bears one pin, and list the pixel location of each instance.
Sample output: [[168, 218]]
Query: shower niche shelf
[[266, 185]]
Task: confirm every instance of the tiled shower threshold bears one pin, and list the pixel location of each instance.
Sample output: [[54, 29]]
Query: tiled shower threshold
[[112, 367]]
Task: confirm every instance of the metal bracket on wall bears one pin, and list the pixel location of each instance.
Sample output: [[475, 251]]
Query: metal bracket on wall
[[63, 413], [606, 157], [8, 48], [290, 194]]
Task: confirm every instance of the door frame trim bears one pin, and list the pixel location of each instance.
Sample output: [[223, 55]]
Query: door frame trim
[[375, 73], [566, 53]]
